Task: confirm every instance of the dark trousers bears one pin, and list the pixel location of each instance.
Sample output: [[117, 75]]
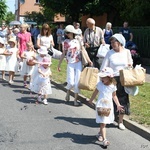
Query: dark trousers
[[92, 52]]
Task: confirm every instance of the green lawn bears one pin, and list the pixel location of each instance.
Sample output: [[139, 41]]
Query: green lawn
[[140, 104]]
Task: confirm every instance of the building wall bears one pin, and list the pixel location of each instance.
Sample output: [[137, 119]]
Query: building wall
[[29, 5]]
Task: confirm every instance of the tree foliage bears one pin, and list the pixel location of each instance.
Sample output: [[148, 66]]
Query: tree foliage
[[3, 9], [135, 11], [9, 17], [38, 17]]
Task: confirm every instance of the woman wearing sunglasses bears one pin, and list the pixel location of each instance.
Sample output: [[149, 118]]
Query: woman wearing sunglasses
[[45, 38], [72, 51]]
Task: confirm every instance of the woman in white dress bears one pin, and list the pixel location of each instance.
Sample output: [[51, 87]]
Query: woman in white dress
[[27, 69], [12, 54], [106, 88], [45, 38], [2, 58], [41, 84]]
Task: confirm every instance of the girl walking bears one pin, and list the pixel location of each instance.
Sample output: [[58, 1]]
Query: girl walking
[[41, 84], [107, 88], [12, 54], [2, 58], [27, 69]]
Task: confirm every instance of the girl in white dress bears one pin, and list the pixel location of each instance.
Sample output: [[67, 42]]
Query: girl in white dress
[[41, 84], [107, 89], [27, 69], [12, 54], [2, 58]]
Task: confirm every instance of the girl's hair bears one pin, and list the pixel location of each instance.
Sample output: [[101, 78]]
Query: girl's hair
[[113, 81], [47, 27], [25, 25], [29, 44]]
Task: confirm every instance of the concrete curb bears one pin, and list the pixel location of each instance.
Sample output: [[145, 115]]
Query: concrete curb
[[131, 125]]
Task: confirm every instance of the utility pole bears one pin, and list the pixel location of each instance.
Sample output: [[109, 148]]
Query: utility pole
[[18, 15]]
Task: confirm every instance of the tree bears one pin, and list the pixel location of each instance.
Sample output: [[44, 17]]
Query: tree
[[135, 11], [3, 9], [38, 17], [9, 17]]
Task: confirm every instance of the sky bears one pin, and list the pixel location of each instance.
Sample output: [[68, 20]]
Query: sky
[[11, 5]]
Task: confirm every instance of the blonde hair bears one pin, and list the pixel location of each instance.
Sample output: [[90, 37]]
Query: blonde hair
[[24, 25]]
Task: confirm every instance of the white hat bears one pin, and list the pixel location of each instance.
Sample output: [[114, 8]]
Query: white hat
[[2, 41], [42, 50], [70, 28], [133, 90], [106, 72], [120, 38]]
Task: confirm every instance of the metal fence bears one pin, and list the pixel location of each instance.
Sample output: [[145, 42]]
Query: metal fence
[[141, 37]]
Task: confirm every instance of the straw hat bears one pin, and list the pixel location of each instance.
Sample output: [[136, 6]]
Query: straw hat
[[46, 61], [12, 40]]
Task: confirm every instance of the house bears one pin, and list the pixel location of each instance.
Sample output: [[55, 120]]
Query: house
[[23, 6]]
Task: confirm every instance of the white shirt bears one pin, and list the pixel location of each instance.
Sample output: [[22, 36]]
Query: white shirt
[[45, 41], [117, 60]]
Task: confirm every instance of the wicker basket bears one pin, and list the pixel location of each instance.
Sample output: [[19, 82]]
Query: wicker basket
[[103, 111]]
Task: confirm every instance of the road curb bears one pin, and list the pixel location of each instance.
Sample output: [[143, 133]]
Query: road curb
[[131, 125]]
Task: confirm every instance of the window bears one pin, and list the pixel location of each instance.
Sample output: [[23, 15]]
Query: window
[[37, 1]]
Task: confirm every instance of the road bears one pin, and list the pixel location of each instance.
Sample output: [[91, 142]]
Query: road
[[25, 125]]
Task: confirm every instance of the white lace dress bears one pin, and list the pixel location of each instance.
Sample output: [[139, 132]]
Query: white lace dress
[[105, 94], [40, 84]]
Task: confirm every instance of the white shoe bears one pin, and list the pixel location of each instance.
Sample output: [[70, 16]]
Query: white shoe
[[45, 102], [11, 82], [121, 126]]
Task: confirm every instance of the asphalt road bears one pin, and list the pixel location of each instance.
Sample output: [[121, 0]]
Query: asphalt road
[[25, 125]]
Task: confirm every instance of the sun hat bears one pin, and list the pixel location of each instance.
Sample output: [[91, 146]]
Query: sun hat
[[46, 61], [12, 40], [120, 38], [133, 90], [106, 72], [2, 41], [70, 28], [42, 50]]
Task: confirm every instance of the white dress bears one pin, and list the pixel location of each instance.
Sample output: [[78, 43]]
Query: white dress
[[2, 60], [11, 61], [26, 69], [105, 93], [40, 84]]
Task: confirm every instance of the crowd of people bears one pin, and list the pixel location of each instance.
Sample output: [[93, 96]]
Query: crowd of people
[[27, 52]]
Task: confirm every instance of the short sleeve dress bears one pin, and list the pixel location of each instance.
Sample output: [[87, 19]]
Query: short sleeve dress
[[2, 60], [11, 61], [105, 94], [42, 85], [26, 69]]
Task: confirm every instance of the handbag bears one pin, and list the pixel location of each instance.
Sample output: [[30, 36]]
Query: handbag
[[88, 78], [84, 56], [103, 49], [132, 76], [103, 112]]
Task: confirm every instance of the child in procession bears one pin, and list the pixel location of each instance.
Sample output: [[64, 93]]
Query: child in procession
[[106, 88]]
